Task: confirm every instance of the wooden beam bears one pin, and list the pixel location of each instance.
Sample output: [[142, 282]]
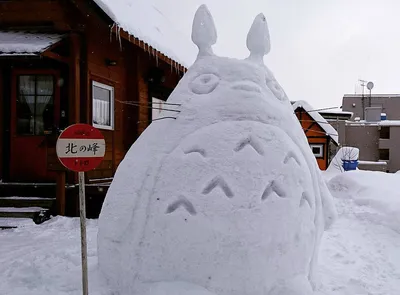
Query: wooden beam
[[74, 75], [56, 56], [60, 193]]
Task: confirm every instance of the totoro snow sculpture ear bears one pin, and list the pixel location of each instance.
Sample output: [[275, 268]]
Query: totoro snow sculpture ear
[[204, 34], [258, 40]]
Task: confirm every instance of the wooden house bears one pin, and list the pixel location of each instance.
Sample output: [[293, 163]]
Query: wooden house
[[321, 136], [64, 62]]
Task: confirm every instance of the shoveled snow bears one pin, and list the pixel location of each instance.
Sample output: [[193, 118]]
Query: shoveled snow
[[144, 20], [321, 121], [25, 43], [227, 197], [359, 254]]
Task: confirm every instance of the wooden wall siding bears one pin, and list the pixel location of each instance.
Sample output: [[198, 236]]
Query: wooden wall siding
[[315, 134], [34, 12]]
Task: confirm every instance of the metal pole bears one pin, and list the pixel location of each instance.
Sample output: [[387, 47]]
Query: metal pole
[[82, 209]]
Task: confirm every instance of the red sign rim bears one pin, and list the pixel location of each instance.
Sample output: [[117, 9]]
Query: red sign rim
[[81, 137]]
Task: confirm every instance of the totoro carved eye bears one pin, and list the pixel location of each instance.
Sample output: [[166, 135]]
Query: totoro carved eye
[[204, 84]]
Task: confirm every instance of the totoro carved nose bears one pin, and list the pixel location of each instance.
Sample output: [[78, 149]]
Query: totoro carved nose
[[249, 86]]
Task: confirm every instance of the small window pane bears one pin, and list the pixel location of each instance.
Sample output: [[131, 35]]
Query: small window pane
[[318, 150], [102, 105], [26, 85], [35, 104], [44, 118], [384, 154], [44, 85]]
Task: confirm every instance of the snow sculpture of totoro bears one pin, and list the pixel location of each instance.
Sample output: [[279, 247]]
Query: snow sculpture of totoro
[[226, 199]]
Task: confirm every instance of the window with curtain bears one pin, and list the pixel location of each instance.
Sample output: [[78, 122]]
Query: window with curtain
[[103, 106], [35, 104]]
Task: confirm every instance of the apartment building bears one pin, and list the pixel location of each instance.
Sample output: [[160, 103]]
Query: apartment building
[[374, 129]]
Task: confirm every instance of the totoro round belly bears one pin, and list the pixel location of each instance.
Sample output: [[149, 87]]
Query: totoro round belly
[[232, 205]]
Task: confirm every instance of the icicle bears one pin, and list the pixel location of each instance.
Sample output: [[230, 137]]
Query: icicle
[[111, 30], [157, 60], [204, 34], [258, 40], [119, 38]]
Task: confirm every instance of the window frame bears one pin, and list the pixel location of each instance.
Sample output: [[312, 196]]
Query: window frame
[[112, 109], [322, 149], [16, 72]]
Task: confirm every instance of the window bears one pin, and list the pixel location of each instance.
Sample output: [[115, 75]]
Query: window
[[103, 106], [385, 132], [157, 105], [318, 150], [35, 104], [384, 154]]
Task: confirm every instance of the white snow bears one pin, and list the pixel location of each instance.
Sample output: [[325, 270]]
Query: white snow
[[25, 43], [321, 121], [378, 123], [24, 209], [359, 254], [144, 20], [227, 197]]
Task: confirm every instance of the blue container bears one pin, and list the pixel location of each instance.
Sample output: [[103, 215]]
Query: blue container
[[383, 117], [349, 165]]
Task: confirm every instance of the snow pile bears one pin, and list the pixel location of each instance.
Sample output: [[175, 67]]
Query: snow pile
[[377, 193], [225, 199], [360, 254], [46, 259], [144, 20]]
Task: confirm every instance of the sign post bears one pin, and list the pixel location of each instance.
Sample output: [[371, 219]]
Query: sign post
[[80, 148]]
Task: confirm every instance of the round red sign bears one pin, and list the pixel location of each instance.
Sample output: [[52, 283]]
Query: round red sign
[[81, 147]]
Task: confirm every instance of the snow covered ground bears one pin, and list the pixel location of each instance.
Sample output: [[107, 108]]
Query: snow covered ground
[[359, 255]]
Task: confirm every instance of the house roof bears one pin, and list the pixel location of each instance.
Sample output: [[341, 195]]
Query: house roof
[[14, 43], [144, 20], [321, 121]]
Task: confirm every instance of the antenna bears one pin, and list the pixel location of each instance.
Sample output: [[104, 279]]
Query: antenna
[[370, 85], [362, 96]]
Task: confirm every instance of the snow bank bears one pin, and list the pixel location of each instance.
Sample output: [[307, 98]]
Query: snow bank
[[228, 196], [46, 259], [360, 254], [377, 193]]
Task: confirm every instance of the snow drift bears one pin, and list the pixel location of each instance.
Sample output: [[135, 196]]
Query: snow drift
[[377, 192], [226, 198]]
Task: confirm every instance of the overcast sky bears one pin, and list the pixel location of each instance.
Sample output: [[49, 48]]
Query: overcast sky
[[320, 48]]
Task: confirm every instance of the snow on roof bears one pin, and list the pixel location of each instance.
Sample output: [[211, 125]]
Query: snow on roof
[[386, 95], [145, 21], [25, 43], [321, 121], [376, 123]]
